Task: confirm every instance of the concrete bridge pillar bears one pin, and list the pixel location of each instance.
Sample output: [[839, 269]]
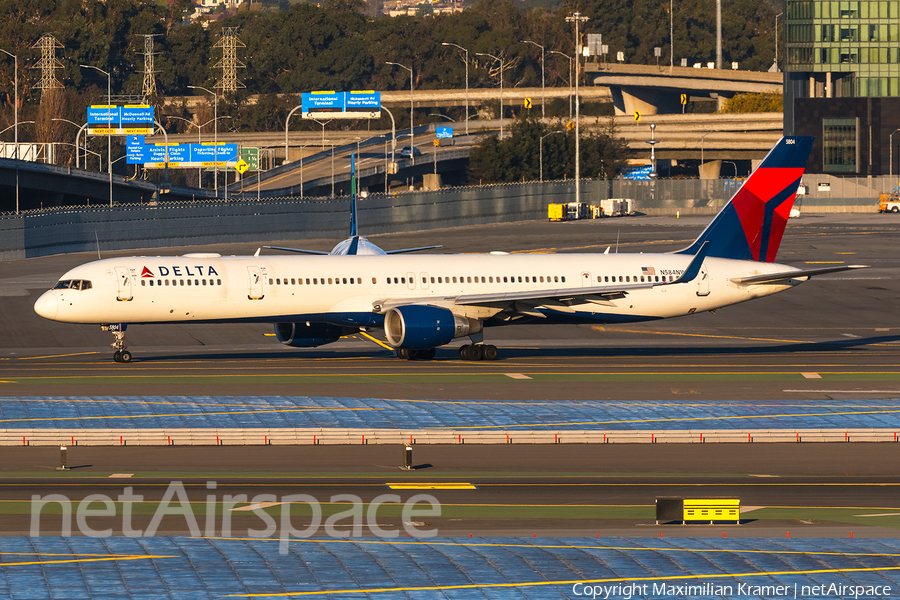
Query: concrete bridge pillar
[[648, 101], [711, 169]]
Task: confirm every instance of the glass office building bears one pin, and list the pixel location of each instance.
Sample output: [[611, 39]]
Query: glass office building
[[842, 81]]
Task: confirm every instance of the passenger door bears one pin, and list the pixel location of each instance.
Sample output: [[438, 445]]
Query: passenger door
[[703, 282], [124, 292], [256, 283]]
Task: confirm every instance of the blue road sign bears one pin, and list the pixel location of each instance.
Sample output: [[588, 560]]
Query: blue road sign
[[443, 132]]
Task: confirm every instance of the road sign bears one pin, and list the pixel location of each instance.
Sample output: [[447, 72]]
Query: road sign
[[684, 98], [570, 125], [436, 142], [527, 102], [120, 120], [443, 132], [241, 166], [341, 105], [251, 157], [637, 115]]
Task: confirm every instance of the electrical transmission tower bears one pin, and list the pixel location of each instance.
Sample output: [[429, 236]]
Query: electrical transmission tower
[[149, 89], [48, 63], [229, 43]]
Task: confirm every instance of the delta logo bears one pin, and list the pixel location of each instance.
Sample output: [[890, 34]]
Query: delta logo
[[181, 271]]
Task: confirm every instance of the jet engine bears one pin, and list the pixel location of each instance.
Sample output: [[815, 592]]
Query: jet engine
[[310, 335], [416, 327]]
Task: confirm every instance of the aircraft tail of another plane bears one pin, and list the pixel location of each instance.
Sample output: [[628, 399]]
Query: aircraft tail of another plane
[[751, 225]]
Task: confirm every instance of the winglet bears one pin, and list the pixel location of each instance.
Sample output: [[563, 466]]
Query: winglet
[[693, 269]]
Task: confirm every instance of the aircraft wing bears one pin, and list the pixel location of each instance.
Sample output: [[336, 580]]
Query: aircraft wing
[[776, 277], [559, 299]]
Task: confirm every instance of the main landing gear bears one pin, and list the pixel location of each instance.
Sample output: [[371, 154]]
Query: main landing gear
[[478, 352], [426, 354], [121, 355]]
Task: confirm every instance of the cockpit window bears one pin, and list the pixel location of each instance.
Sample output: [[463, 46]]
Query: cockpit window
[[73, 284]]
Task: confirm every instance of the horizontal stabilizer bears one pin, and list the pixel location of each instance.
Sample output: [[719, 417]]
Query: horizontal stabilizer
[[405, 250], [774, 277], [297, 250]]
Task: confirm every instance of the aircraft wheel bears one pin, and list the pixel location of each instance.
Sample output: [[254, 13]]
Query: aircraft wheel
[[427, 354], [403, 353], [117, 356], [414, 354], [474, 352], [125, 356], [464, 352], [491, 353]]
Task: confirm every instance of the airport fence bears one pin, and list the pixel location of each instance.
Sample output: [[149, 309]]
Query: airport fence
[[208, 221]]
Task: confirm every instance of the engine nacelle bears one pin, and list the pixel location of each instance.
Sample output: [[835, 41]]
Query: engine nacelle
[[310, 335], [416, 327]]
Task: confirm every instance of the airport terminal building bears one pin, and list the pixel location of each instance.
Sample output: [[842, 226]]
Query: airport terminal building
[[842, 83]]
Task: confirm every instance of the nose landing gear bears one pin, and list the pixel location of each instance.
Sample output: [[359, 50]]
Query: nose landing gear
[[120, 355]]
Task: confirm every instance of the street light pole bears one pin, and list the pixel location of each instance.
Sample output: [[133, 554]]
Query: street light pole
[[571, 60], [467, 79], [577, 18], [412, 139], [215, 139], [500, 60], [16, 120], [77, 147], [891, 153], [543, 100], [108, 126]]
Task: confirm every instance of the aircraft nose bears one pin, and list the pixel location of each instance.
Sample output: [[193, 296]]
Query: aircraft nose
[[47, 305]]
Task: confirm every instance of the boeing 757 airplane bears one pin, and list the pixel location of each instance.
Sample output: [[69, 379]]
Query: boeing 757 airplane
[[426, 301]]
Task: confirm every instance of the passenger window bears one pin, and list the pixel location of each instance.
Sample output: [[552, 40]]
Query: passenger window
[[491, 279], [396, 280], [271, 281], [329, 281], [293, 281], [315, 281], [628, 279], [454, 280], [345, 280], [470, 280], [563, 278], [204, 281], [144, 282], [189, 282], [218, 282], [642, 278], [440, 280], [556, 278], [520, 279], [505, 280], [403, 280], [337, 280], [542, 279], [373, 280], [482, 280]]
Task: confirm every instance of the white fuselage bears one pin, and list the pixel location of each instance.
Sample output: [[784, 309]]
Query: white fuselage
[[351, 290]]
